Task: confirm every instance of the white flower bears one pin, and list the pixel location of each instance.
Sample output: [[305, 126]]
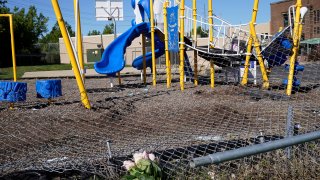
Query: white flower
[[138, 156], [152, 157], [128, 165], [145, 155]]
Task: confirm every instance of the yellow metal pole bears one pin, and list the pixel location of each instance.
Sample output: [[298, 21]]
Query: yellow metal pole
[[260, 58], [254, 40], [79, 37], [182, 8], [83, 92], [154, 69], [295, 47], [195, 39], [210, 14], [300, 32], [166, 40], [13, 51], [246, 64], [144, 59]]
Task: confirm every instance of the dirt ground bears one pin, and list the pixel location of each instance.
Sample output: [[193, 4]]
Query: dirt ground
[[65, 136]]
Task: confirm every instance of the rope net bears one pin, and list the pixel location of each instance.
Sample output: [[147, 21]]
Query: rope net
[[60, 138]]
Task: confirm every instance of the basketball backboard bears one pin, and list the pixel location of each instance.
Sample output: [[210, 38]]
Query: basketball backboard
[[106, 10]]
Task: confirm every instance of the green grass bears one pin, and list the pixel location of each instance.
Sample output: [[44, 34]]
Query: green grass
[[6, 73]]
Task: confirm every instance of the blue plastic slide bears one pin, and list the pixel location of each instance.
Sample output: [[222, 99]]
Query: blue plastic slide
[[112, 60], [159, 51]]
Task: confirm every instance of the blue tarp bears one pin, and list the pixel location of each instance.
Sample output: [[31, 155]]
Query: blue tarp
[[13, 91], [48, 89]]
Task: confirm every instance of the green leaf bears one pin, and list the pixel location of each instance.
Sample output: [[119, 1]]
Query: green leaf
[[146, 177], [135, 172], [128, 177], [143, 164]]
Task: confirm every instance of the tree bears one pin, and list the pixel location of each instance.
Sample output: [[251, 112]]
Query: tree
[[108, 29], [94, 32], [55, 34], [2, 3], [29, 26]]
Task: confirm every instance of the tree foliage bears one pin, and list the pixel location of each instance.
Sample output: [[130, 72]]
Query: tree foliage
[[2, 3], [55, 33], [29, 26], [108, 29], [94, 32], [201, 32]]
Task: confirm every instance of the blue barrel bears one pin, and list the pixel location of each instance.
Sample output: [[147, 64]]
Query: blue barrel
[[13, 91], [48, 89]]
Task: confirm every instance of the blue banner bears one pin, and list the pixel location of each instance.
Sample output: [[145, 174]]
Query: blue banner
[[173, 33]]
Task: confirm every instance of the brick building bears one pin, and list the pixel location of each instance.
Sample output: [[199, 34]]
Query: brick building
[[280, 17]]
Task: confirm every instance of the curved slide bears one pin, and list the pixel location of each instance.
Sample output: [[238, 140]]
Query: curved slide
[[159, 51], [112, 60]]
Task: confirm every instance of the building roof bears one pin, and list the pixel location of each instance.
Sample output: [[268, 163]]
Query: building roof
[[279, 2]]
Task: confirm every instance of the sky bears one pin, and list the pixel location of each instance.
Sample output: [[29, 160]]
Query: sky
[[234, 11]]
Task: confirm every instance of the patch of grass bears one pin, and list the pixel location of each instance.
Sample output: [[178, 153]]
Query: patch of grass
[[7, 74]]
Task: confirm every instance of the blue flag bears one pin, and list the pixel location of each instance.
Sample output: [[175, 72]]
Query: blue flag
[[173, 33]]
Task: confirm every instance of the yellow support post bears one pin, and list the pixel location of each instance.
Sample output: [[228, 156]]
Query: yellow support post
[[254, 41], [166, 40], [119, 78], [296, 39], [195, 39], [210, 14], [182, 8], [154, 69], [79, 37], [246, 64], [83, 92], [13, 50], [144, 59]]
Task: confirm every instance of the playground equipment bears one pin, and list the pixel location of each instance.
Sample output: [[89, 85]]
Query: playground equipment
[[13, 51], [12, 92], [112, 60], [75, 62], [228, 45]]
